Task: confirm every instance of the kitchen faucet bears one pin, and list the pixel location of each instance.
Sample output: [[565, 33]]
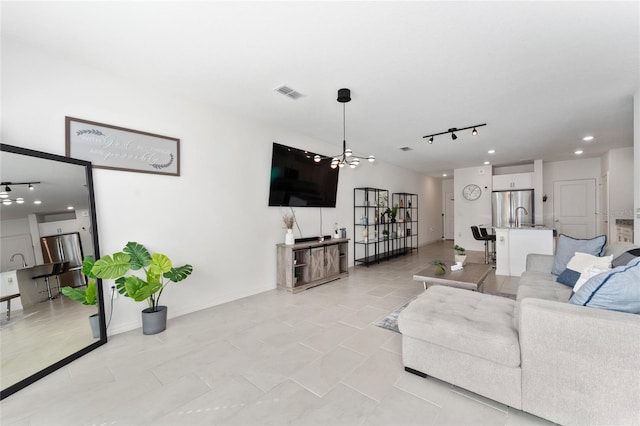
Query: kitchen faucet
[[24, 263], [516, 213]]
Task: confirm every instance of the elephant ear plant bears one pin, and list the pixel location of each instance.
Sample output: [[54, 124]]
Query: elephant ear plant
[[157, 268]]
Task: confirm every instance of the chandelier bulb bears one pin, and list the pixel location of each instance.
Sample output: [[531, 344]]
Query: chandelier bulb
[[341, 164], [348, 152], [316, 158]]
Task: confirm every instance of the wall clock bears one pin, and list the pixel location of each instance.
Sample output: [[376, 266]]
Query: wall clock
[[471, 192]]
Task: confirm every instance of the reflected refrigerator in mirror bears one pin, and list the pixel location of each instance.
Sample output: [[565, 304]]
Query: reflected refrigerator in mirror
[[65, 249]]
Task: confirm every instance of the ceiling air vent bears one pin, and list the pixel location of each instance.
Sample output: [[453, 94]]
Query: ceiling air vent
[[287, 91], [406, 148]]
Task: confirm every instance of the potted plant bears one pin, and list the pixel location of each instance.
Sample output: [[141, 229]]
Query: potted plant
[[289, 220], [385, 234], [461, 254], [158, 273], [88, 296], [439, 266]]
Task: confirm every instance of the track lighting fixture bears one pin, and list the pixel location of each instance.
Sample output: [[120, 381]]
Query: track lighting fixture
[[474, 132], [4, 195], [8, 189], [346, 157]]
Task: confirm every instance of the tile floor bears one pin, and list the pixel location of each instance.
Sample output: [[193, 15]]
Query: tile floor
[[313, 358]]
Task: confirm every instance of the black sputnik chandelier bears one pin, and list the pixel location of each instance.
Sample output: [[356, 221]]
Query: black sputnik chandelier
[[452, 130], [346, 158]]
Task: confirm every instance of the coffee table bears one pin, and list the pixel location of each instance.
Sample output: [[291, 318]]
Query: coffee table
[[471, 277]]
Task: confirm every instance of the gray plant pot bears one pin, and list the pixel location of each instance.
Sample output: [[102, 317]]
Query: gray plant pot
[[154, 322], [94, 322]]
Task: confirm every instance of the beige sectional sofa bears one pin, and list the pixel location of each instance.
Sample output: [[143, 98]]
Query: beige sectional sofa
[[568, 364]]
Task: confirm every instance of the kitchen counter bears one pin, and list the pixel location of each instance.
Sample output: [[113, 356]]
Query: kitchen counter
[[32, 290], [514, 244]]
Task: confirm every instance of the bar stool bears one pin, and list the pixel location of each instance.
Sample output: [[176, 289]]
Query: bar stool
[[478, 236], [55, 270], [492, 241]]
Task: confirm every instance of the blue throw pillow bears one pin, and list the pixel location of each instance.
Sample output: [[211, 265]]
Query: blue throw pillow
[[616, 290], [568, 246], [568, 277]]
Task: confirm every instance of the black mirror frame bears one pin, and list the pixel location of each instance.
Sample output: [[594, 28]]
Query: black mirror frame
[[94, 232]]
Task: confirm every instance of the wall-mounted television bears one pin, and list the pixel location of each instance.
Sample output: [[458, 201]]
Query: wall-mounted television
[[298, 181]]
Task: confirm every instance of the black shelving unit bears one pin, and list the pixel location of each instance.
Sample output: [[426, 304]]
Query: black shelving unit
[[376, 235], [407, 218]]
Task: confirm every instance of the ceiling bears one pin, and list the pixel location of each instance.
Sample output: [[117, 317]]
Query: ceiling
[[542, 75], [62, 185]]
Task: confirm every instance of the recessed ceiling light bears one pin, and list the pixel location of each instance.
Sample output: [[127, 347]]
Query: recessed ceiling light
[[491, 151], [444, 175], [69, 207], [37, 202], [487, 163], [578, 151], [587, 138]]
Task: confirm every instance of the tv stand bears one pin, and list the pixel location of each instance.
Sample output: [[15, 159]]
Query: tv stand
[[308, 264]]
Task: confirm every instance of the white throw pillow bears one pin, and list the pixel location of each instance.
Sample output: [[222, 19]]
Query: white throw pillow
[[581, 261], [590, 272]]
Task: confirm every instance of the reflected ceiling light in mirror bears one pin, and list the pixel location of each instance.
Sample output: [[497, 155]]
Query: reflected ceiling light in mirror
[[587, 138], [37, 202], [491, 151], [3, 194], [69, 207]]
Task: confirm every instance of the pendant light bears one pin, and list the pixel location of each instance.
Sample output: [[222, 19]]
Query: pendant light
[[346, 157]]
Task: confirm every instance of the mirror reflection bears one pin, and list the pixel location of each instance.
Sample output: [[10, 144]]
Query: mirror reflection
[[45, 230]]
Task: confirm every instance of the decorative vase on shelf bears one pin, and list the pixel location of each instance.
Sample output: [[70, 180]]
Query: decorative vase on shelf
[[288, 237]]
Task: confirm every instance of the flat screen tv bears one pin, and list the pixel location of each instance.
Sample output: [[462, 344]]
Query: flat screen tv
[[298, 181]]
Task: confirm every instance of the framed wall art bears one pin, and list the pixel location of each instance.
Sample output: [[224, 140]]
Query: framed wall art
[[117, 148]]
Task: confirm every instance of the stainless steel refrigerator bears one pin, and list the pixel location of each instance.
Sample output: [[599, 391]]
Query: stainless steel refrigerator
[[512, 208], [65, 248]]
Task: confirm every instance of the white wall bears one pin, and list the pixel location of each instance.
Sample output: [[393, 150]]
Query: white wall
[[470, 213], [618, 163], [215, 215], [636, 166]]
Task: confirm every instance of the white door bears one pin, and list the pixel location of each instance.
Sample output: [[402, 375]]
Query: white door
[[604, 205], [449, 233], [574, 207]]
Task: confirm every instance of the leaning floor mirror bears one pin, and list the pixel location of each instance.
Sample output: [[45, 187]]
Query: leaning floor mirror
[[47, 226]]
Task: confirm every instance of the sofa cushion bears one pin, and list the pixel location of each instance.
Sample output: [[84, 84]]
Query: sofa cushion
[[579, 263], [625, 257], [542, 286], [568, 246], [616, 290], [465, 321]]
